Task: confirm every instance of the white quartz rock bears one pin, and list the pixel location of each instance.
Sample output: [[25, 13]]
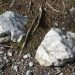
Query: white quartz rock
[[57, 48], [12, 23]]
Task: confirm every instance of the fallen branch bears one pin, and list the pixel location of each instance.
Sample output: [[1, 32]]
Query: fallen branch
[[32, 29], [26, 38]]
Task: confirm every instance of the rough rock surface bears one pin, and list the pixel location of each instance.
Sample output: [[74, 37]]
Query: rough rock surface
[[12, 25], [57, 48]]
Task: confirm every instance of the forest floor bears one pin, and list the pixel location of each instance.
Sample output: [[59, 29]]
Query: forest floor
[[54, 12]]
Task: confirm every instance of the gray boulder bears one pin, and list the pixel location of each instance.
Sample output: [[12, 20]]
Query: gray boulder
[[12, 26], [57, 48]]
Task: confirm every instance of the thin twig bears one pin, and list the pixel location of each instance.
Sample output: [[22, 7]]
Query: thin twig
[[30, 4], [5, 46], [63, 5], [58, 73], [54, 2], [50, 6], [38, 20], [63, 8], [12, 3]]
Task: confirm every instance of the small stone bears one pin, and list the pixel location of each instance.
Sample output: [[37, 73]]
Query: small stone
[[1, 52], [2, 48], [72, 10], [0, 60], [61, 74], [29, 72], [5, 58], [9, 54], [15, 68], [18, 63], [1, 66], [1, 73], [27, 56], [63, 28], [13, 60], [48, 73], [22, 60], [56, 24], [31, 64], [72, 73]]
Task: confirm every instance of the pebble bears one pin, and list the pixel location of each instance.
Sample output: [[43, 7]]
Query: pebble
[[56, 24], [5, 58], [18, 63], [0, 60], [1, 66], [1, 52], [27, 56], [63, 28], [1, 48], [15, 68], [72, 10], [72, 73], [30, 64], [1, 73], [13, 60], [22, 60], [61, 74], [29, 72], [9, 54]]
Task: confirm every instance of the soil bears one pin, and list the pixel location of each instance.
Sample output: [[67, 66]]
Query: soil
[[49, 18]]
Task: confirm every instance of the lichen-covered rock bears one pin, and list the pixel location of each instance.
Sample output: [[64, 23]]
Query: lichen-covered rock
[[12, 25], [57, 48]]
